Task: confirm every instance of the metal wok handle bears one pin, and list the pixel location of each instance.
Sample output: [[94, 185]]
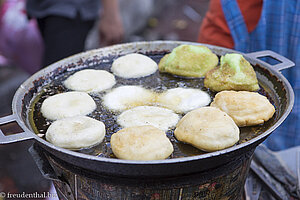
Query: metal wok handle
[[285, 63], [15, 137]]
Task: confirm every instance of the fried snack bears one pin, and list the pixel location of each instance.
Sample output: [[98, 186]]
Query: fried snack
[[141, 143], [161, 118], [234, 73], [90, 80], [76, 132], [182, 100], [134, 65], [208, 129], [245, 108], [67, 104], [128, 96], [188, 60]]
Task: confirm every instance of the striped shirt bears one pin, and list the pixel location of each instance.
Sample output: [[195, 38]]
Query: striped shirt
[[278, 29]]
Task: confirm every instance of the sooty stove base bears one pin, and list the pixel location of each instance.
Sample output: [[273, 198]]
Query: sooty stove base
[[224, 182]]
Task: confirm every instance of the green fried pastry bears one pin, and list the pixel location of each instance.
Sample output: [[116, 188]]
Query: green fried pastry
[[234, 73], [189, 60]]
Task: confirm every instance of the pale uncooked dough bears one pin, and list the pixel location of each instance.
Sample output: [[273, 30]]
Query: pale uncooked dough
[[161, 118], [134, 65], [183, 99], [90, 80], [68, 104], [76, 132], [126, 97]]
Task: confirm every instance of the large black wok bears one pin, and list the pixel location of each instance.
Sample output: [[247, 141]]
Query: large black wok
[[274, 83]]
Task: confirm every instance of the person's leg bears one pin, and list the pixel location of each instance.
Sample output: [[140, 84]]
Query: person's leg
[[63, 37]]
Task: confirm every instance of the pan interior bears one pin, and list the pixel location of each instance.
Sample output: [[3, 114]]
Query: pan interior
[[158, 82]]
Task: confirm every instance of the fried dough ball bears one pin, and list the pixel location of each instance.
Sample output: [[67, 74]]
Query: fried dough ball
[[182, 100], [67, 104], [208, 129], [76, 132], [90, 80], [189, 60], [161, 118], [234, 73], [134, 65], [128, 96], [141, 143], [245, 108]]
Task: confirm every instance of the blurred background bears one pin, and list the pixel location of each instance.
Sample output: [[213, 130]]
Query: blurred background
[[143, 20]]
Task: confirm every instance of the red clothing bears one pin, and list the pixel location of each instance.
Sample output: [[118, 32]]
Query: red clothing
[[214, 29]]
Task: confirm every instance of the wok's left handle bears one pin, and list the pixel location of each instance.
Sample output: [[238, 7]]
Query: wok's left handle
[[15, 137], [284, 62]]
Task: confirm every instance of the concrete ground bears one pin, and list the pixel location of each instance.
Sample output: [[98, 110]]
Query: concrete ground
[[179, 20]]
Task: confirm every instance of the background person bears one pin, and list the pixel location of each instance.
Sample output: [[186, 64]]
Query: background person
[[249, 26], [64, 25]]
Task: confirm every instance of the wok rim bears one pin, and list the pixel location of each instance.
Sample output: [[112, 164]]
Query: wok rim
[[21, 92]]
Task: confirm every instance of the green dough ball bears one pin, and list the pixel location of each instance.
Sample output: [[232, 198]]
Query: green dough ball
[[189, 60], [234, 73]]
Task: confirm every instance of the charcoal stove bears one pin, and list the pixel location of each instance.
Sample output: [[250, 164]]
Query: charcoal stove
[[224, 182]]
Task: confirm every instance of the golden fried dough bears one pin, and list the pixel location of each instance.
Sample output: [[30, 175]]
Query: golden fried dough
[[245, 108], [141, 143], [234, 73], [189, 60], [208, 129]]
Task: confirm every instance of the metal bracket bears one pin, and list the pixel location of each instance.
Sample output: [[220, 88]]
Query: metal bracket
[[15, 137], [284, 62]]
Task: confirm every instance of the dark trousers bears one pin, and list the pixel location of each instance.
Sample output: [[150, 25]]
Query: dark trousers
[[63, 37]]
